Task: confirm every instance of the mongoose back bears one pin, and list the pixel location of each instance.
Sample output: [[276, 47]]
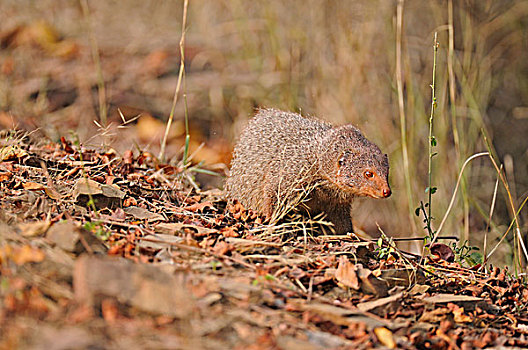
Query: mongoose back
[[280, 154]]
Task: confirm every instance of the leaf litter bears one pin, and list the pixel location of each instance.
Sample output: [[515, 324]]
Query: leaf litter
[[127, 251]]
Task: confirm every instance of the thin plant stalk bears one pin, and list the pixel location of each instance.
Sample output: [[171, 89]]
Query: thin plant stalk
[[178, 84], [455, 192], [492, 209], [403, 120], [432, 140], [452, 98], [518, 241], [507, 231], [101, 90]]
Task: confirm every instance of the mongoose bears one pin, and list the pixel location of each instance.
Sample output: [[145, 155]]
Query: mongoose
[[280, 154]]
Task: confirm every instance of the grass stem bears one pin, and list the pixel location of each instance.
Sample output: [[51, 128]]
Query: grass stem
[[432, 141], [178, 84], [401, 106], [101, 90]]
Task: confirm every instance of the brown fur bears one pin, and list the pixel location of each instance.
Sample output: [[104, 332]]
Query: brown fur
[[282, 153]]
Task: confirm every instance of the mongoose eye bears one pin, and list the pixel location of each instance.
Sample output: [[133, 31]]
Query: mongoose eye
[[368, 174], [341, 161]]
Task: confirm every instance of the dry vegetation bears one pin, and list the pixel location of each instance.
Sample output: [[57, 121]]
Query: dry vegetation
[[364, 62]]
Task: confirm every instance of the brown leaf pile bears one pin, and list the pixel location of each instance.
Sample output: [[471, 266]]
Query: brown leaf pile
[[102, 250]]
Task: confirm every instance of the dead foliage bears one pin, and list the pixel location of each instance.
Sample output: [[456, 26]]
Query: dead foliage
[[103, 250]]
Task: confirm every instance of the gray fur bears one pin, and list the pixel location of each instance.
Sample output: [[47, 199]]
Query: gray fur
[[281, 153]]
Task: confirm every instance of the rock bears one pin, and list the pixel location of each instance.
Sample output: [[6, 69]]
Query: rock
[[145, 287]]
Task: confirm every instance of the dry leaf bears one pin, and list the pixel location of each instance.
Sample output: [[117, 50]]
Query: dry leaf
[[11, 152], [5, 176], [200, 207], [443, 252], [158, 241], [27, 254], [143, 214], [346, 273], [385, 337], [33, 229], [33, 186], [419, 289], [370, 305], [88, 187], [435, 315], [52, 193], [221, 248], [229, 232], [112, 191], [449, 298], [459, 317], [178, 227]]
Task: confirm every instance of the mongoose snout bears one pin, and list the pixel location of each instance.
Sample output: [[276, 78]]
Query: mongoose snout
[[282, 154]]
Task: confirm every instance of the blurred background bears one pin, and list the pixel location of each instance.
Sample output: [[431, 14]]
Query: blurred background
[[364, 62]]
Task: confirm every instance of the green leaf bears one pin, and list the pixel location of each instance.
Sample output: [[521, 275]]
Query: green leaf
[[417, 211], [269, 277], [477, 257], [433, 191], [433, 141]]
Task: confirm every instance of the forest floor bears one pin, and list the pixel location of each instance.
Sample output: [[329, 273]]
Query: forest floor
[[103, 251], [110, 248]]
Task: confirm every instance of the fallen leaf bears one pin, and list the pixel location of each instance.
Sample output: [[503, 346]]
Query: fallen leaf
[[346, 273], [370, 284], [229, 232], [33, 229], [5, 176], [449, 298], [144, 286], [33, 186], [419, 289], [200, 207], [385, 337], [156, 62], [178, 227], [143, 214], [88, 187], [27, 254], [52, 193], [459, 317], [158, 241], [435, 315], [112, 191], [221, 248], [11, 152], [66, 145], [443, 252], [370, 305]]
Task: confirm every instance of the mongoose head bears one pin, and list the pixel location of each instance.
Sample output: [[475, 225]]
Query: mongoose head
[[354, 164]]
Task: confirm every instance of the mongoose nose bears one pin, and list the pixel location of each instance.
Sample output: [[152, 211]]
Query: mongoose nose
[[386, 192]]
